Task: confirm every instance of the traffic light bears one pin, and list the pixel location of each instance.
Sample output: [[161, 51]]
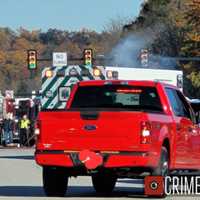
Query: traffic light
[[144, 56], [88, 57], [32, 59]]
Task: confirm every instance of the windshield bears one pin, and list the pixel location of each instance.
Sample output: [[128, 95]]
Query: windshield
[[117, 97]]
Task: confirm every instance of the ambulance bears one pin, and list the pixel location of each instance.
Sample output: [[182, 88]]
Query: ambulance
[[57, 82], [173, 77]]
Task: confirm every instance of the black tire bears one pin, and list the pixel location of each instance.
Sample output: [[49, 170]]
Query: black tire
[[55, 181], [163, 167], [104, 183]]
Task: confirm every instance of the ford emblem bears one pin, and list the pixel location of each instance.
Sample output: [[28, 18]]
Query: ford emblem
[[90, 127]]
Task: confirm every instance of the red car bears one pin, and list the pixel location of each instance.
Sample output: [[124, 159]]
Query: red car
[[116, 129]]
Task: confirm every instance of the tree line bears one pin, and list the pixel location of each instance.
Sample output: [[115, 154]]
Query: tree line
[[174, 27], [14, 45]]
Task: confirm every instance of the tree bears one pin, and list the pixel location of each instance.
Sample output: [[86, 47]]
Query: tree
[[175, 26], [114, 29], [191, 44]]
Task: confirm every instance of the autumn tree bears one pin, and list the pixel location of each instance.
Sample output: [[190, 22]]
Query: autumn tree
[[191, 44]]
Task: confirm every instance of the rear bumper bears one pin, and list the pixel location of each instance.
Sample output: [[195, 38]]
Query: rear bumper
[[53, 159], [121, 160]]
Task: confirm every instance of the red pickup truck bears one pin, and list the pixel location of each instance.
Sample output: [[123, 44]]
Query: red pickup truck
[[116, 129]]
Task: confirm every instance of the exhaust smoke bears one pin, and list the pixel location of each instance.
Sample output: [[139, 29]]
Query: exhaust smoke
[[127, 52]]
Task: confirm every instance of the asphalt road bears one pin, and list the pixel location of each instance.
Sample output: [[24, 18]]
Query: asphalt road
[[20, 178]]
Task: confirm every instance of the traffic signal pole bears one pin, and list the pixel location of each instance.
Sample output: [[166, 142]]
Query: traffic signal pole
[[89, 61]]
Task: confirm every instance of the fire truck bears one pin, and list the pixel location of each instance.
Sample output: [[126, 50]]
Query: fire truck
[[16, 107]]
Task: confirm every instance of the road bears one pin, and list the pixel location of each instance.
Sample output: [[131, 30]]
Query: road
[[20, 178]]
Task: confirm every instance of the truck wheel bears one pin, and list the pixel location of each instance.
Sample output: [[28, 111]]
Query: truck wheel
[[163, 167], [55, 181], [103, 182]]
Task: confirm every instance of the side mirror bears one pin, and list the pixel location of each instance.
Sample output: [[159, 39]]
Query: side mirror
[[196, 109]]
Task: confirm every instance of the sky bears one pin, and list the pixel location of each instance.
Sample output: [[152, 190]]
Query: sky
[[71, 15]]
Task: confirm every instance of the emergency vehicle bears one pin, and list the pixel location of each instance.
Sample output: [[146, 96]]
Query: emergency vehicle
[[57, 82], [173, 77], [26, 106], [16, 107], [7, 106]]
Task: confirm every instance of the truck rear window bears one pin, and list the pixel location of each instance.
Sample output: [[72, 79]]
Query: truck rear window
[[117, 97]]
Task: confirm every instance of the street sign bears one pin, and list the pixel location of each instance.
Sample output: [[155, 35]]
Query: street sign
[[59, 59]]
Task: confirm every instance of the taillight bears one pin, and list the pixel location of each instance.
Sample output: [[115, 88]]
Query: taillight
[[37, 128], [145, 133]]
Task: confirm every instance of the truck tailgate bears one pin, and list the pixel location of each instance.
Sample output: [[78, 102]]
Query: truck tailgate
[[95, 131]]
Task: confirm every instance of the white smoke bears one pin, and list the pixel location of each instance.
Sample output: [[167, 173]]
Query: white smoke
[[127, 52]]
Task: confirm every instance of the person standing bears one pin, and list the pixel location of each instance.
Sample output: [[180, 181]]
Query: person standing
[[24, 126], [8, 129]]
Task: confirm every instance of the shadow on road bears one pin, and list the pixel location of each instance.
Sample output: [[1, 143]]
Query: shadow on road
[[27, 191], [18, 157], [73, 191], [131, 181]]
